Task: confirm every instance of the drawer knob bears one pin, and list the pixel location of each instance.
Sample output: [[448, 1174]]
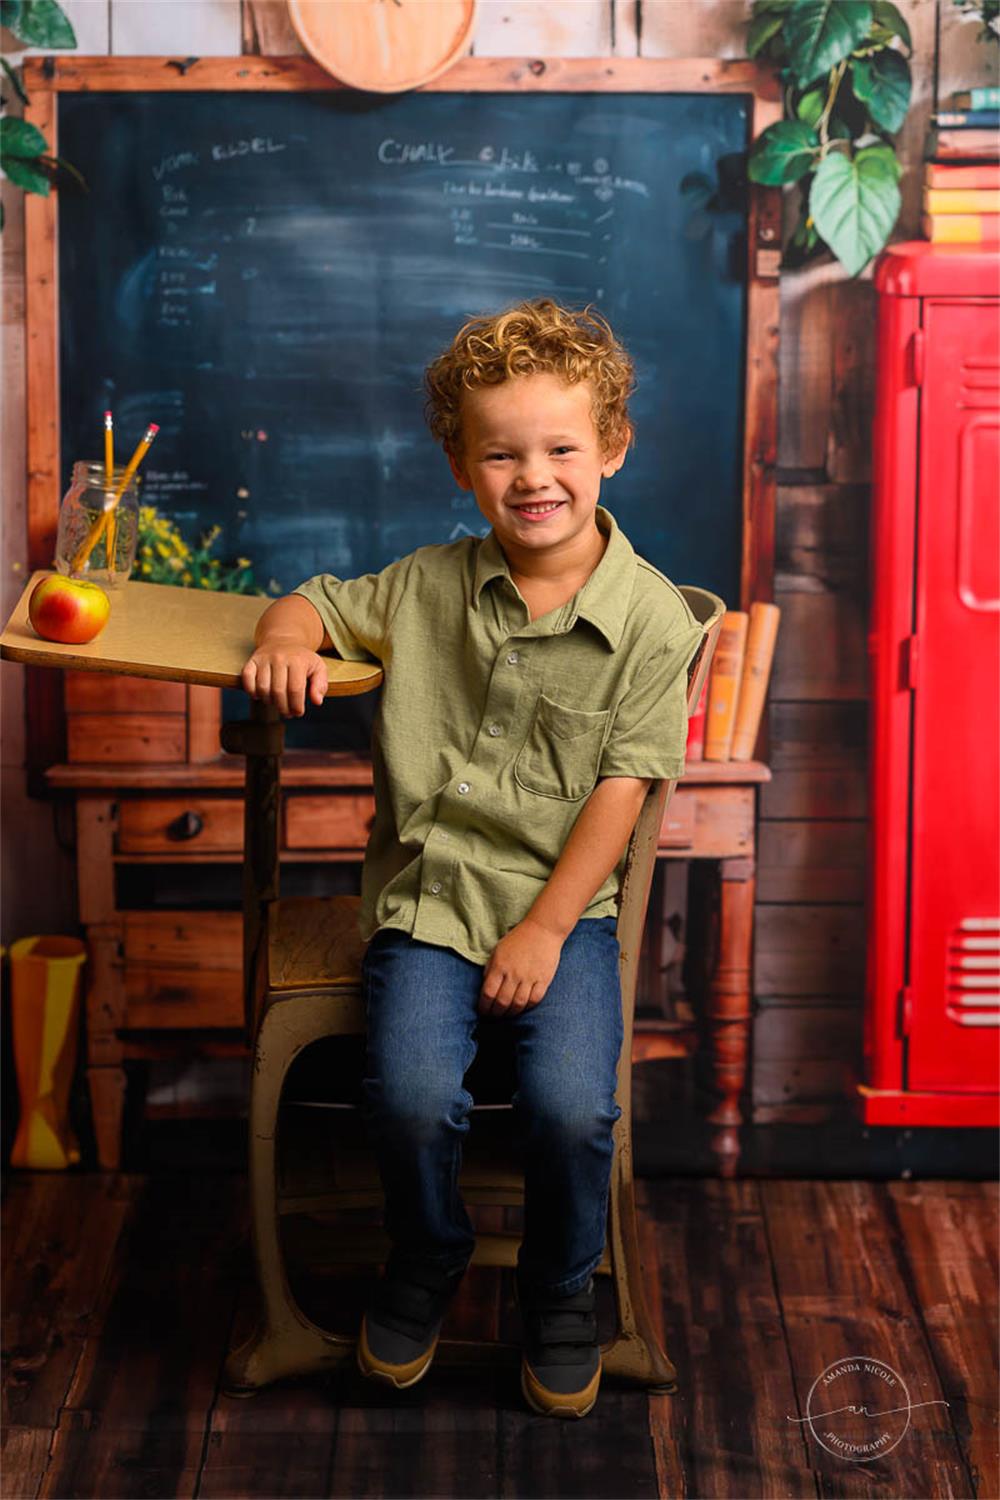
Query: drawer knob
[[187, 826]]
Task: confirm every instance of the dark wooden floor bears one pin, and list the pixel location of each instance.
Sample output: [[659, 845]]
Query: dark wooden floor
[[122, 1293]]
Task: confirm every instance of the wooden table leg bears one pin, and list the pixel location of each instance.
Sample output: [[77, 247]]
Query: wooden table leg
[[262, 741], [729, 1005]]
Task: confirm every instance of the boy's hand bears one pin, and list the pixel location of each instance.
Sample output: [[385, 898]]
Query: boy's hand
[[281, 675], [520, 969]]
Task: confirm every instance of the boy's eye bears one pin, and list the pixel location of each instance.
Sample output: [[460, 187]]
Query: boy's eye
[[566, 448], [491, 456]]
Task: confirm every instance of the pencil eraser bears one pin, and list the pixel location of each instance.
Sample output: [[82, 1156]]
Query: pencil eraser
[[153, 427]]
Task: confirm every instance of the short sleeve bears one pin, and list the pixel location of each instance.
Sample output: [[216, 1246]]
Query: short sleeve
[[649, 734], [358, 612]]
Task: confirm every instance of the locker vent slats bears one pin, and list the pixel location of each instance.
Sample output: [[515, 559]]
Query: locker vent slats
[[974, 972]]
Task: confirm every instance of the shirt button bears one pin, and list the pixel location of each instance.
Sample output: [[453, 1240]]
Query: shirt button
[[463, 787], [435, 888], [494, 730], [513, 659]]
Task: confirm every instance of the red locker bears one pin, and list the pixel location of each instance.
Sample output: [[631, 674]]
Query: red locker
[[932, 1003]]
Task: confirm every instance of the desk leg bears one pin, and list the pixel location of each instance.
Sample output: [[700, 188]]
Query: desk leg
[[261, 810], [729, 1005]]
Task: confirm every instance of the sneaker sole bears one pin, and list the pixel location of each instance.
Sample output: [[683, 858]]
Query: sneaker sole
[[556, 1404], [401, 1377]]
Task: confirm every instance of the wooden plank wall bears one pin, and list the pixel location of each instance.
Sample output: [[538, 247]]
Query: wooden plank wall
[[810, 917]]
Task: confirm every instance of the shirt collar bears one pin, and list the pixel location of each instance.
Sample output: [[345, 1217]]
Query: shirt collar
[[603, 600]]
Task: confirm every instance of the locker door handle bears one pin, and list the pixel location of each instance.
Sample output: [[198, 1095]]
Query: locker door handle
[[918, 356]]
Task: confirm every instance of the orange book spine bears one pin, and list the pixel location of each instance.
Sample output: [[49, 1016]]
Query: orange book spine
[[724, 684], [761, 637], [944, 175]]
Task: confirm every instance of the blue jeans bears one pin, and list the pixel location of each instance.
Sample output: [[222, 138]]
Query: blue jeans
[[422, 1021]]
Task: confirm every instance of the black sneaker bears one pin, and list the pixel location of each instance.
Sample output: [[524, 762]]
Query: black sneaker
[[561, 1362], [402, 1324]]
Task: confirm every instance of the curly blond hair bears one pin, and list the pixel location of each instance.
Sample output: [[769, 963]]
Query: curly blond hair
[[533, 338]]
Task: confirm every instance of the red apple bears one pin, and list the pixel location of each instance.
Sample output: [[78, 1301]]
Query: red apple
[[71, 610]]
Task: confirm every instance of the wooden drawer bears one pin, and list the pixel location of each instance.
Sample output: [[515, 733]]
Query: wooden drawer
[[112, 720], [122, 739], [189, 825], [158, 998], [338, 820], [185, 939], [183, 969], [717, 821]]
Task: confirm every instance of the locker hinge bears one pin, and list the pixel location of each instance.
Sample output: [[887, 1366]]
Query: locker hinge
[[918, 350], [910, 663], [905, 1010]]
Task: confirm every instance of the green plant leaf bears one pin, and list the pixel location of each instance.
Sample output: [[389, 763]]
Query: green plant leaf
[[784, 153], [881, 158], [810, 106], [882, 84], [15, 81], [886, 14], [821, 33], [43, 23], [761, 29], [854, 204], [18, 138], [24, 175]]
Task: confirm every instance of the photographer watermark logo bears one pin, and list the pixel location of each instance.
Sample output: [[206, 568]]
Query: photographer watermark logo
[[859, 1409]]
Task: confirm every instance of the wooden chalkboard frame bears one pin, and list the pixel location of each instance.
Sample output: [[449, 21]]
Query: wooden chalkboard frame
[[45, 77]]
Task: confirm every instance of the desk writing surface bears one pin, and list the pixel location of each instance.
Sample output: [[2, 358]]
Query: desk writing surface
[[174, 634]]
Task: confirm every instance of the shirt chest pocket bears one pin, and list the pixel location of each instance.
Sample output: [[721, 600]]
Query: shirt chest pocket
[[562, 753]]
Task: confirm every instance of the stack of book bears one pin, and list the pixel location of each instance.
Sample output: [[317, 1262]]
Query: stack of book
[[962, 170], [725, 723]]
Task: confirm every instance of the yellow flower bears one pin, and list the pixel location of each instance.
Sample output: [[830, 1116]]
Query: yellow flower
[[204, 583], [175, 563], [243, 562], [162, 550], [186, 577]]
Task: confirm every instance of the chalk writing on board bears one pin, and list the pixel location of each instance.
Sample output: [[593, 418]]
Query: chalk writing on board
[[256, 146]]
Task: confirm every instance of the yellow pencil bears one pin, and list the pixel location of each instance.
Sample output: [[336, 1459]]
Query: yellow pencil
[[109, 446], [103, 522]]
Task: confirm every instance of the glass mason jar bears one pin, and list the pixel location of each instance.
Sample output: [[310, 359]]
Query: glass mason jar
[[97, 539]]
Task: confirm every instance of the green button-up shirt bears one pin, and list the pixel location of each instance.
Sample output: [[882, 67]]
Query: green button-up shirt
[[494, 729]]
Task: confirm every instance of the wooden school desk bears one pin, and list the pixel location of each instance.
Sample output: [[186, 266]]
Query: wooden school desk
[[171, 984]]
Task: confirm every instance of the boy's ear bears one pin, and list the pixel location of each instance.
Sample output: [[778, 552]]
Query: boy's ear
[[614, 461], [458, 469]]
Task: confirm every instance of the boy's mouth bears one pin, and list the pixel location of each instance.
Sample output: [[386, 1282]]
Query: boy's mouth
[[536, 511]]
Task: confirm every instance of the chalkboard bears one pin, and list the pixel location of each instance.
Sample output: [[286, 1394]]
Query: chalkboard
[[266, 275]]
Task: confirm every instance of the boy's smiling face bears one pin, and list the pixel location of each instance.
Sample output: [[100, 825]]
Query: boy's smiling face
[[532, 458]]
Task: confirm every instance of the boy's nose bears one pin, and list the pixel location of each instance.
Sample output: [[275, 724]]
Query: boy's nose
[[532, 476]]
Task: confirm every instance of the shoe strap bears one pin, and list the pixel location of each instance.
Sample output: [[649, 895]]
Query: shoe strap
[[411, 1302], [558, 1331]]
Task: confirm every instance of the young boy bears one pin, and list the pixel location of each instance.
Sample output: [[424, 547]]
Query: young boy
[[535, 683]]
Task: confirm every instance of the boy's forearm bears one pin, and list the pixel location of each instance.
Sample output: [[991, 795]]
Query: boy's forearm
[[292, 620], [599, 839]]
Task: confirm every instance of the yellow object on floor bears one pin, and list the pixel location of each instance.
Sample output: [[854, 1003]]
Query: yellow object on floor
[[45, 990]]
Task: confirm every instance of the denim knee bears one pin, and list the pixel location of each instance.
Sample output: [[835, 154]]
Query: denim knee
[[566, 1122], [416, 1109]]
